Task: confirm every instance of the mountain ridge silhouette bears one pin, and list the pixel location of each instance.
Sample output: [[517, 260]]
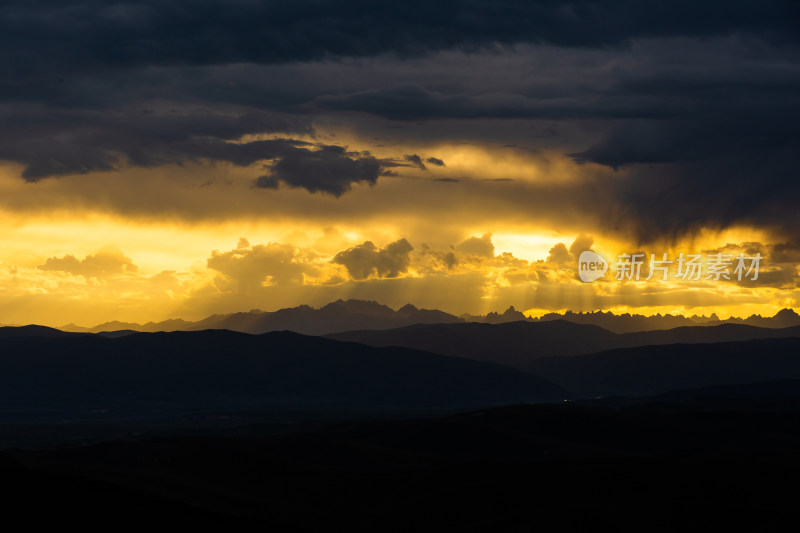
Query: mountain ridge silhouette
[[349, 315]]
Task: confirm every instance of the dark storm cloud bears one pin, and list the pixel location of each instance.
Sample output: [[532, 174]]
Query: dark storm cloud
[[94, 32], [367, 260], [482, 246], [53, 143], [68, 141], [408, 161], [693, 138], [677, 79], [328, 169], [411, 101], [726, 153], [786, 252], [682, 176], [416, 160], [692, 102]]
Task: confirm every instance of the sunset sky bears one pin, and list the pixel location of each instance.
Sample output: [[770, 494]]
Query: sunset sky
[[164, 159]]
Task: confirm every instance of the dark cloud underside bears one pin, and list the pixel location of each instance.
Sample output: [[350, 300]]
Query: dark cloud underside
[[692, 103], [92, 33], [329, 169]]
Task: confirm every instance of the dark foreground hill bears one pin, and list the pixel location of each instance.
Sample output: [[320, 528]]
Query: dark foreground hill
[[763, 396], [149, 373], [650, 370], [8, 332], [517, 344], [524, 468]]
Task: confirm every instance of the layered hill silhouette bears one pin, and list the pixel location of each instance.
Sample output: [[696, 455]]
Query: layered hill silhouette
[[421, 366], [335, 316], [140, 374], [518, 344], [649, 370], [340, 316]]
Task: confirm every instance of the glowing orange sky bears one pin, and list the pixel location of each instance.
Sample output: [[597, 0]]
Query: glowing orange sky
[[112, 218]]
